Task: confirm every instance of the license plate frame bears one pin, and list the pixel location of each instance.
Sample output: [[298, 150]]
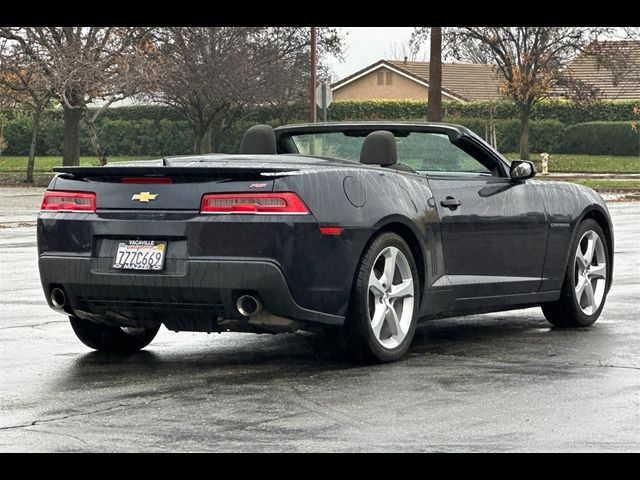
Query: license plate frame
[[140, 255]]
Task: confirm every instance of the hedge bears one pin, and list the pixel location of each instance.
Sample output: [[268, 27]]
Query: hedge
[[601, 138], [544, 135], [159, 130], [563, 111], [117, 137]]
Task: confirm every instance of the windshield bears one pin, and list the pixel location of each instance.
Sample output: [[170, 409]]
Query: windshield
[[422, 151]]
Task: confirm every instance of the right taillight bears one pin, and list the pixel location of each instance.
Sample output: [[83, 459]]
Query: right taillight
[[286, 203], [69, 201]]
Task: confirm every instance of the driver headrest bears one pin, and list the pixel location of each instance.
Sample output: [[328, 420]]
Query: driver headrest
[[259, 140], [379, 148]]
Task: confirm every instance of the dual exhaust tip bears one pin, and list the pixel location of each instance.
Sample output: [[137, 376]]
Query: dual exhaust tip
[[58, 298], [248, 305]]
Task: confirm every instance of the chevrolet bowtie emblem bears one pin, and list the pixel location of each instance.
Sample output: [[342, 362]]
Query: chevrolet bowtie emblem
[[144, 197]]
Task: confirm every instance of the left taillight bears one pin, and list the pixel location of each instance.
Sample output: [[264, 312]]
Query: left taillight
[[287, 203], [69, 201]]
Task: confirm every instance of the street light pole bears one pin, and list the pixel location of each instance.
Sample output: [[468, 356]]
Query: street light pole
[[313, 74]]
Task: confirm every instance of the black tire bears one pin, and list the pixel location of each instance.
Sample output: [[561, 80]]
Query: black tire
[[106, 338], [359, 337], [566, 312]]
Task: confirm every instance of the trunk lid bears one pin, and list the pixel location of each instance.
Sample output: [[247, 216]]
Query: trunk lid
[[172, 184]]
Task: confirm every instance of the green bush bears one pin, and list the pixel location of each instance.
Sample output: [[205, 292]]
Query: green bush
[[564, 111], [601, 138], [17, 132], [159, 130], [116, 137], [544, 135]]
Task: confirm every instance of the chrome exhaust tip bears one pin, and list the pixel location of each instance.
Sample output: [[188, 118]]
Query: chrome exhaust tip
[[248, 305], [58, 298]]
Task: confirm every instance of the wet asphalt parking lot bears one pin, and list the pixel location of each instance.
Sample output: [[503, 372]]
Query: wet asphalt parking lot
[[497, 382]]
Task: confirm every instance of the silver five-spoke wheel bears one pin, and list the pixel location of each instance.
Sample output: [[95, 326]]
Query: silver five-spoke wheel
[[587, 279], [590, 273], [391, 297]]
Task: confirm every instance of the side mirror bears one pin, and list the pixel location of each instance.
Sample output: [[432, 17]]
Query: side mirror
[[522, 170]]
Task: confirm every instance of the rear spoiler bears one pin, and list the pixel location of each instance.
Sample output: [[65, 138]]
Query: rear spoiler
[[191, 170]]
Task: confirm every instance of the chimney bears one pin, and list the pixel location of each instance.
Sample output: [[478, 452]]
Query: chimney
[[405, 59]]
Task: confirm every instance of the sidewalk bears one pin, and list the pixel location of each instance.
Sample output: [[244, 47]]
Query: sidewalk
[[19, 206]]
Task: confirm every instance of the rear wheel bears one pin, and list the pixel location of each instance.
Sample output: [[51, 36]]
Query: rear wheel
[[106, 338], [384, 301], [586, 280]]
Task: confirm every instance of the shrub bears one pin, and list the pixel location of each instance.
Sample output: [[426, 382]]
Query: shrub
[[602, 138], [544, 135], [562, 110], [159, 130]]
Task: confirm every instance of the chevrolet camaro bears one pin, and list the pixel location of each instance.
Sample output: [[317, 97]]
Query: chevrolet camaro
[[359, 229]]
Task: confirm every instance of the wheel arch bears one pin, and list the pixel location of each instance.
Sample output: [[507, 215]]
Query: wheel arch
[[601, 218], [403, 227]]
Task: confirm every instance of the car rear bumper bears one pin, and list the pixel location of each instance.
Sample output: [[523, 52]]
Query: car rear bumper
[[194, 296]]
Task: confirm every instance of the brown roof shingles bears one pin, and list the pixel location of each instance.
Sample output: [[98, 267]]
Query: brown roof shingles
[[587, 68], [474, 81]]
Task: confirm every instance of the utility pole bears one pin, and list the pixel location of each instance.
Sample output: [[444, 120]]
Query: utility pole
[[434, 105], [313, 74]]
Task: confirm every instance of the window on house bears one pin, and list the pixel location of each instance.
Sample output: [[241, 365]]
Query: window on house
[[380, 78], [389, 78]]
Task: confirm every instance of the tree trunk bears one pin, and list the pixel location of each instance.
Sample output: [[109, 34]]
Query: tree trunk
[[434, 105], [34, 139], [71, 144], [525, 114], [206, 141], [214, 138], [197, 140]]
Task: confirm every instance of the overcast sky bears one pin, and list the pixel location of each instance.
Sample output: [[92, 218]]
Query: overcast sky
[[366, 45]]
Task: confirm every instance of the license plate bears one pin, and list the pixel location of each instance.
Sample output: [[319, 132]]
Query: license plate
[[140, 255]]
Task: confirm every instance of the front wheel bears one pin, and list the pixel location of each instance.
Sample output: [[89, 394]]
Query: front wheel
[[106, 338], [384, 301], [586, 280]]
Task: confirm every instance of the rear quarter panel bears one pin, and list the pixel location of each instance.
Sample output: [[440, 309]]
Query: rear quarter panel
[[364, 201]]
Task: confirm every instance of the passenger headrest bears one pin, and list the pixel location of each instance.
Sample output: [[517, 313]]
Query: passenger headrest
[[379, 148], [259, 140]]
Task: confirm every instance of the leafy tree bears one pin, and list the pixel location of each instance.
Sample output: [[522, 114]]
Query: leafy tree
[[529, 59]]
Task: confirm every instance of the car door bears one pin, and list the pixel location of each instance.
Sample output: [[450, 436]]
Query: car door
[[493, 228]]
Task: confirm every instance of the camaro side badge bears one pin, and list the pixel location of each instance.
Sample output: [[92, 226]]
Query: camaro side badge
[[144, 197]]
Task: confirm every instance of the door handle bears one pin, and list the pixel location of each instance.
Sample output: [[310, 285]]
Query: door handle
[[451, 203]]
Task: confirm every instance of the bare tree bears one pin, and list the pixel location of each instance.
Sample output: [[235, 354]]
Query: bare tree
[[82, 65], [25, 79], [409, 50], [530, 59], [212, 74]]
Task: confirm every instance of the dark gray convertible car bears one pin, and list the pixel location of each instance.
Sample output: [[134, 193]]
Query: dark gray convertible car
[[362, 229]]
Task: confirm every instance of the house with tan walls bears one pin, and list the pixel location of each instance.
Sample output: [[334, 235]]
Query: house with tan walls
[[467, 82], [407, 80]]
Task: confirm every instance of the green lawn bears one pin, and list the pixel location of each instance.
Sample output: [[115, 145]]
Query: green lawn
[[602, 184], [45, 164], [567, 163]]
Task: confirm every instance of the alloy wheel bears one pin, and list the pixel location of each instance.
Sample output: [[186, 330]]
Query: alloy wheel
[[590, 272], [391, 297]]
